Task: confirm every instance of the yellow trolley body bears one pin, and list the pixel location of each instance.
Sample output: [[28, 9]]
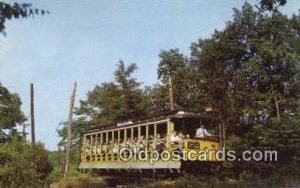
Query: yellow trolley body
[[101, 148]]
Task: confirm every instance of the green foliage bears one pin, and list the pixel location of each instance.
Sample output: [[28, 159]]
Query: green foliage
[[111, 102], [23, 165], [246, 70], [10, 112], [176, 66], [282, 136], [115, 101], [171, 63], [249, 74], [158, 98], [271, 5], [9, 11], [55, 175]]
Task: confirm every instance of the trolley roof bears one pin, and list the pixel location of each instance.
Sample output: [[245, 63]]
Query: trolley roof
[[176, 114]]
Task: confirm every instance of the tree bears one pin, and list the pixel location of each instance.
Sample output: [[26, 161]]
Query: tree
[[249, 72], [112, 102], [271, 5], [158, 98], [10, 112], [174, 65], [8, 11], [248, 66]]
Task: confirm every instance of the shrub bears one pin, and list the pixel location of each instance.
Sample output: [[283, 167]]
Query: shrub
[[23, 165]]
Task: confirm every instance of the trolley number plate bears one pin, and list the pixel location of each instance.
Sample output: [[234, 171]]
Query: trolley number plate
[[193, 145]]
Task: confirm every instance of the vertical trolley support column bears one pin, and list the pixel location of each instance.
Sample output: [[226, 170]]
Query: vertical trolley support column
[[83, 158], [112, 145], [119, 137], [147, 135], [139, 137], [155, 135], [101, 144], [220, 135], [96, 147], [106, 153], [131, 129], [170, 128], [125, 140], [91, 147], [125, 136]]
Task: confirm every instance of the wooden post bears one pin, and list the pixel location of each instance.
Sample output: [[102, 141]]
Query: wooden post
[[69, 129], [171, 94], [58, 155], [23, 133], [32, 114], [222, 133]]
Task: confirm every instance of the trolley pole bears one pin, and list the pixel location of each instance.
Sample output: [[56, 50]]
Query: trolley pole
[[69, 129]]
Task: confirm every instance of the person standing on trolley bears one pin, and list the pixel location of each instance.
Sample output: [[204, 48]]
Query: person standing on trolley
[[202, 132]]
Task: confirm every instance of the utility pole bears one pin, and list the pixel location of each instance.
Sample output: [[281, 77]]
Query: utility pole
[[58, 155], [171, 94], [69, 129], [32, 113]]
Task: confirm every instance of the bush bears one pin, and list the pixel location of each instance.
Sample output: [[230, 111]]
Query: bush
[[23, 165]]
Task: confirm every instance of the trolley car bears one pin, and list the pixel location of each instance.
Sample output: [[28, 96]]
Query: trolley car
[[131, 145]]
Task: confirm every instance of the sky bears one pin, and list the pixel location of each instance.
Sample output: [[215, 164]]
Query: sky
[[82, 40]]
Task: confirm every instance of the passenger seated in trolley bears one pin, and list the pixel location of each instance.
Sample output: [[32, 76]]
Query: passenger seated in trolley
[[135, 146], [142, 145], [104, 148], [180, 139], [128, 143], [88, 150], [160, 145], [174, 138], [187, 136], [202, 132]]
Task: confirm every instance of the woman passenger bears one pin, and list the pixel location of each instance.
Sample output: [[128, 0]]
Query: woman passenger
[[160, 146], [115, 148], [180, 139], [135, 146], [187, 136], [142, 144]]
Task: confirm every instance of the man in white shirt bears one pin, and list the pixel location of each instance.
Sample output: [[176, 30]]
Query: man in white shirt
[[202, 132], [173, 137]]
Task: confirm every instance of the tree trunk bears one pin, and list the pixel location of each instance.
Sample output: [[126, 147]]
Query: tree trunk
[[171, 94], [277, 107]]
